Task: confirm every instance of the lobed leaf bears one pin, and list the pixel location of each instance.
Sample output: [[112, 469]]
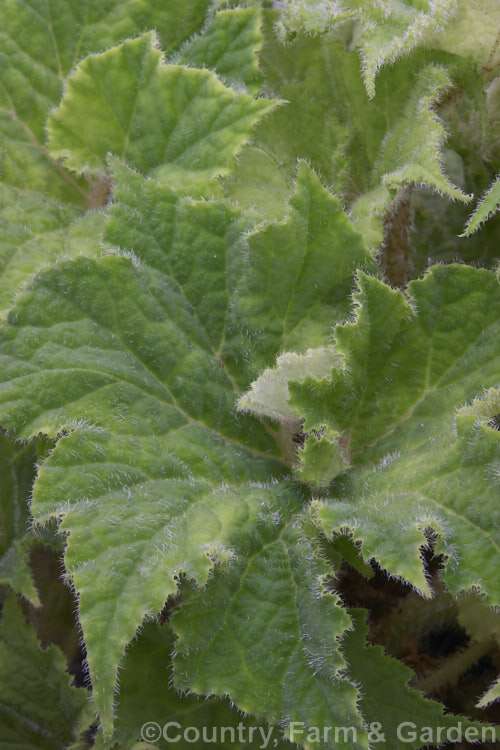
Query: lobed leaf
[[147, 695], [40, 44], [387, 697], [397, 411], [229, 45], [266, 632], [125, 355], [365, 150], [179, 124], [387, 31]]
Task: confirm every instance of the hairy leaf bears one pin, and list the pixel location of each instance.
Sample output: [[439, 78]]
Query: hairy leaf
[[147, 696], [265, 628], [386, 31], [365, 150], [181, 125], [395, 711], [229, 45], [40, 43], [397, 409], [17, 469], [130, 361], [489, 205], [35, 233], [39, 708]]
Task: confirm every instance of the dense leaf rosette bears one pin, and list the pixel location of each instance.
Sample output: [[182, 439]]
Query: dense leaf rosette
[[157, 475], [400, 411]]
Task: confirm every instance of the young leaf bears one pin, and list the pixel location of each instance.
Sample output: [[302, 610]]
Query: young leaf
[[39, 708], [410, 153], [387, 31], [179, 124], [415, 462], [365, 150], [269, 395]]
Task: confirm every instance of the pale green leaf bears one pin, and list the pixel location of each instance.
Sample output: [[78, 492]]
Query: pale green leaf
[[473, 32], [266, 627], [269, 395], [492, 695], [398, 714], [179, 124], [229, 46], [39, 708], [386, 31], [410, 154], [312, 16], [488, 206], [40, 43]]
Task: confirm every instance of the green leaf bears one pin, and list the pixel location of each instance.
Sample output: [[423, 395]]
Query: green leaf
[[129, 361], [147, 695], [88, 370], [17, 466], [487, 207], [229, 46], [410, 154], [269, 395], [39, 708], [276, 288], [181, 125], [266, 632], [36, 232], [473, 32], [312, 17], [416, 461], [40, 43], [300, 272], [387, 31], [366, 150], [482, 625], [394, 711]]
